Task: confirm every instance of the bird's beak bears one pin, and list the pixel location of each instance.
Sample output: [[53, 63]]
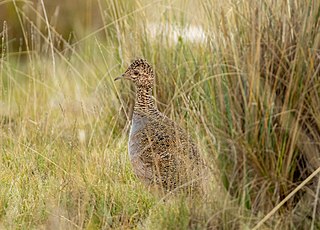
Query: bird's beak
[[123, 76], [120, 77]]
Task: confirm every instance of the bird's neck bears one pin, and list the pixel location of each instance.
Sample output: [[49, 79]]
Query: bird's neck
[[144, 103]]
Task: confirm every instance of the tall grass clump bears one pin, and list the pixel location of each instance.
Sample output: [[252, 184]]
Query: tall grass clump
[[268, 106], [249, 94]]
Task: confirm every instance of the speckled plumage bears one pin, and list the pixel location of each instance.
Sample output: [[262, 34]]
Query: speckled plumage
[[160, 151]]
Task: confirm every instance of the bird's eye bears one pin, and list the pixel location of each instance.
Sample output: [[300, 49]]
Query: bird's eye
[[135, 72]]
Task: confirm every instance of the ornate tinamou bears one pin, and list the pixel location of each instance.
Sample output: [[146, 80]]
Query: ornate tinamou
[[160, 151]]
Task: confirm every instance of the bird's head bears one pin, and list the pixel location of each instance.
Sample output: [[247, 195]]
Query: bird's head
[[140, 72]]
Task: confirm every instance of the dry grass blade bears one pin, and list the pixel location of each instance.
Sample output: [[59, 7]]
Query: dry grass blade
[[289, 196]]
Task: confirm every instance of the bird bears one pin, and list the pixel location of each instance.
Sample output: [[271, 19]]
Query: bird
[[160, 151]]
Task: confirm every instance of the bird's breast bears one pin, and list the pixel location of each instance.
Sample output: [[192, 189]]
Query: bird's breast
[[138, 124]]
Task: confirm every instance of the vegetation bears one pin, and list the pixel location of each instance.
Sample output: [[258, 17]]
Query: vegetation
[[249, 94]]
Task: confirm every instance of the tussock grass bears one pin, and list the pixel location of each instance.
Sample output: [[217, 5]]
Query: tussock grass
[[249, 95]]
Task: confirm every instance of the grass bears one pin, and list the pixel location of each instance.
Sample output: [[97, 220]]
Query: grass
[[249, 95]]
